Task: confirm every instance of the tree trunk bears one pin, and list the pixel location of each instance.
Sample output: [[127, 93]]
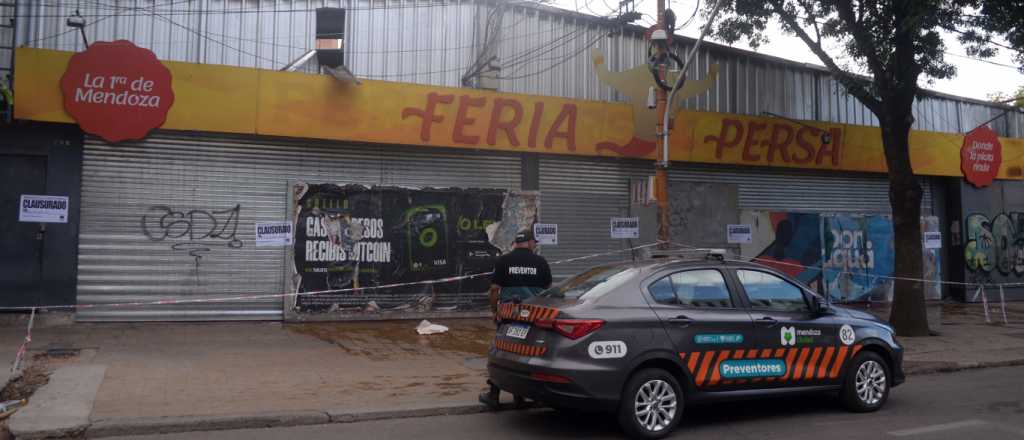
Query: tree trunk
[[908, 315]]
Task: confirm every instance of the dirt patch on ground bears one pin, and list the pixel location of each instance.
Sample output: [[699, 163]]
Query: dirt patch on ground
[[32, 377], [394, 339]]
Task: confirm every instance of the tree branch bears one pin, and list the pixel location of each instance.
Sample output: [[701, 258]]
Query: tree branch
[[863, 39], [853, 85]]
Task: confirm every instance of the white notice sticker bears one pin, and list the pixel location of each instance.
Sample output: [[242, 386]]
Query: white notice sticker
[[739, 234], [625, 227], [273, 233], [546, 234], [43, 209]]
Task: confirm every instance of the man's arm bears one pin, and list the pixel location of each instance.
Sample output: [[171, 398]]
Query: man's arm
[[497, 280], [546, 269], [495, 289]]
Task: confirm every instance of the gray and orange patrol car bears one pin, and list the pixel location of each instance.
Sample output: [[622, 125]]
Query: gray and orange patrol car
[[645, 339]]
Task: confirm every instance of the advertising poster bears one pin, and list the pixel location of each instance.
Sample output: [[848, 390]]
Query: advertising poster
[[354, 238], [859, 257], [789, 242]]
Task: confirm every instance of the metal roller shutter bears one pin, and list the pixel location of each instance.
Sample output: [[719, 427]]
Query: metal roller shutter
[[581, 195], [776, 189], [126, 255]]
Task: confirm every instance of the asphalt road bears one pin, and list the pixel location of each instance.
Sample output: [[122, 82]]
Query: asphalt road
[[973, 405]]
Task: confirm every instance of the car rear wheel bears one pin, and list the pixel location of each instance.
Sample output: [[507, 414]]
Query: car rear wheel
[[866, 386], [651, 404]]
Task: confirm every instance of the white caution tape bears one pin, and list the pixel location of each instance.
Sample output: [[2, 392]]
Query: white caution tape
[[212, 299]]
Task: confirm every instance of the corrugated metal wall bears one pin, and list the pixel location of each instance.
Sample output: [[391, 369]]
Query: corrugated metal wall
[[6, 38], [541, 50], [127, 255], [776, 189], [581, 195]]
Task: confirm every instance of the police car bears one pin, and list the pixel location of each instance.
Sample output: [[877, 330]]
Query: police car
[[646, 339]]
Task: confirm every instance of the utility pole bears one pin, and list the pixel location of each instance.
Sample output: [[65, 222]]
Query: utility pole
[[661, 165], [663, 103]]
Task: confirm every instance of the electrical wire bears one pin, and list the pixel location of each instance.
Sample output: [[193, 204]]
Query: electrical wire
[[209, 12], [549, 68], [692, 16], [982, 60]]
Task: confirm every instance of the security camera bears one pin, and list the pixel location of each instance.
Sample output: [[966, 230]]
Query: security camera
[[76, 21], [652, 99]]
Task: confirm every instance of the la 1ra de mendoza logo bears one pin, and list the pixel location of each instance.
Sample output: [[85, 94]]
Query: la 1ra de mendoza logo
[[117, 90]]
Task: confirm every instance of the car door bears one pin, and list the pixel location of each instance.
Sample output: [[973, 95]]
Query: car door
[[800, 346], [703, 317]]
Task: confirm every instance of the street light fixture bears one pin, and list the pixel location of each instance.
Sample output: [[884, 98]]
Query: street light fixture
[[77, 21]]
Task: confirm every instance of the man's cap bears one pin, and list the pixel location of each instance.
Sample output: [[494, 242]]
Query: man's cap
[[524, 236]]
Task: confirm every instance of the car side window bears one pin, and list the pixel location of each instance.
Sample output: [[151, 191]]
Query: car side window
[[767, 291], [692, 288]]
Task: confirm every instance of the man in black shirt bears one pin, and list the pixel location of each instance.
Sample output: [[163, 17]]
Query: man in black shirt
[[518, 275]]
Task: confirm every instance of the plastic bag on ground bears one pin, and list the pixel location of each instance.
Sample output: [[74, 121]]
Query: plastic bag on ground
[[426, 328]]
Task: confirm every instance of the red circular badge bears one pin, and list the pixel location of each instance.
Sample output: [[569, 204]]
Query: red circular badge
[[981, 156], [117, 90]]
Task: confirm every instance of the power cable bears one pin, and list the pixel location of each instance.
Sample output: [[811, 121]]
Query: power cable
[[549, 68], [982, 60], [208, 12]]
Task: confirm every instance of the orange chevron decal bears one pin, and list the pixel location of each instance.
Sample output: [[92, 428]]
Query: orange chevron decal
[[856, 348], [520, 349], [703, 374], [823, 368], [798, 369], [840, 358], [692, 364], [752, 354], [812, 364], [514, 312], [714, 373], [790, 359]]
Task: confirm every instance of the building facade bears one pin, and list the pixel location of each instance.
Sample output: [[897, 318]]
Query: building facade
[[540, 112]]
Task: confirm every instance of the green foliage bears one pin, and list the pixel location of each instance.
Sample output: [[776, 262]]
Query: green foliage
[[897, 42], [1015, 99]]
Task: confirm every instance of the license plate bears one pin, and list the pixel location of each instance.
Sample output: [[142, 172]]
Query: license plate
[[517, 331]]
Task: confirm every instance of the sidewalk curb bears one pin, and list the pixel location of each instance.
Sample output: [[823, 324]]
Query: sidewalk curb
[[965, 366], [169, 425]]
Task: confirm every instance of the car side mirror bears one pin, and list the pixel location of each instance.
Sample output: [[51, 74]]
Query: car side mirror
[[819, 306]]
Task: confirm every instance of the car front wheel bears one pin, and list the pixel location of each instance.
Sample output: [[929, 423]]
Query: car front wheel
[[866, 386], [651, 404]]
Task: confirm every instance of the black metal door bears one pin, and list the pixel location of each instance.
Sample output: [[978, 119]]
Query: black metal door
[[21, 244]]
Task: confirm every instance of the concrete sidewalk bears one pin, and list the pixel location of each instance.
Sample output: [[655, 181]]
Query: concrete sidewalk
[[182, 377]]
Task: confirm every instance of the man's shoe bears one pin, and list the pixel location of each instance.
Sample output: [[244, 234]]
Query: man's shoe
[[490, 399], [519, 402]]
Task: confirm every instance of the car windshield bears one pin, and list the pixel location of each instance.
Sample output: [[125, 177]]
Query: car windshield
[[592, 283]]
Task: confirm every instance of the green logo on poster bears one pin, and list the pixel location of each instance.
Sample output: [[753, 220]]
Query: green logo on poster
[[428, 238]]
